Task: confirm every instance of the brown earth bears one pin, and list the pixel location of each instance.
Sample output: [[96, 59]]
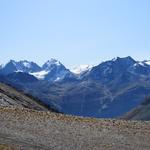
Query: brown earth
[[7, 147]]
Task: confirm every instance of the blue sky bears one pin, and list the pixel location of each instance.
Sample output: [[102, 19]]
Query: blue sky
[[74, 31]]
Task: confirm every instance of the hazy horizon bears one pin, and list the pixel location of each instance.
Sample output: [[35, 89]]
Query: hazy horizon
[[74, 32]]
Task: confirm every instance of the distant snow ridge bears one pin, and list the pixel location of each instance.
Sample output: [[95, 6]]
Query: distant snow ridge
[[147, 62], [142, 63], [82, 68], [53, 70]]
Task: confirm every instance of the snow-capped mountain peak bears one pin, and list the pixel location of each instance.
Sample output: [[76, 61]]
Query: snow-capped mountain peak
[[27, 66], [11, 62], [20, 66], [115, 58], [82, 68], [51, 63], [26, 63], [127, 59]]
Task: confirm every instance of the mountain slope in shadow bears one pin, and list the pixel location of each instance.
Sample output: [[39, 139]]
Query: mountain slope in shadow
[[142, 112], [10, 97]]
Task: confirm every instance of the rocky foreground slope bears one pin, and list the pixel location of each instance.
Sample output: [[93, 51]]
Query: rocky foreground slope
[[13, 98], [33, 130], [142, 112]]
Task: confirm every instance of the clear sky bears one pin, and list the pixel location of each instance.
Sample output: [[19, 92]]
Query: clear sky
[[74, 31]]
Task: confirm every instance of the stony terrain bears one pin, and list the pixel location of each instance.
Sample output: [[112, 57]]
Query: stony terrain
[[33, 130]]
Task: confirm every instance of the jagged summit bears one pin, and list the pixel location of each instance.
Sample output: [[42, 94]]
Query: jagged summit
[[128, 60], [20, 66], [26, 63], [51, 63]]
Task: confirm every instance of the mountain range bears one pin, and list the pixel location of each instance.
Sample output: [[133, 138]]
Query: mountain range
[[51, 71], [107, 90]]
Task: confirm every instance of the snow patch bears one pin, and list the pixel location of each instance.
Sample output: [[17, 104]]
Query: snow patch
[[141, 63], [19, 71], [115, 58], [147, 62], [27, 64], [104, 106], [107, 70], [57, 79], [2, 66], [40, 75]]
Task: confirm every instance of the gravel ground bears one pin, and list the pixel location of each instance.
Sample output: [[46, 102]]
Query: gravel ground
[[32, 130]]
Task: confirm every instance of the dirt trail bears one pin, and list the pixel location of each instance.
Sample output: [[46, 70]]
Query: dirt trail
[[32, 130]]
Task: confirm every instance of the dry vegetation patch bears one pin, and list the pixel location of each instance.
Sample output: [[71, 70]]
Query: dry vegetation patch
[[7, 147]]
